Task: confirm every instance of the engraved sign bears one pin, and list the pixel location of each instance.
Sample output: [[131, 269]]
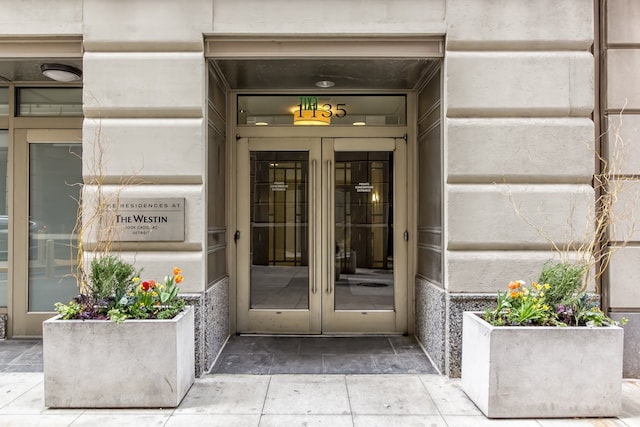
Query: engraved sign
[[364, 187], [149, 219], [279, 186]]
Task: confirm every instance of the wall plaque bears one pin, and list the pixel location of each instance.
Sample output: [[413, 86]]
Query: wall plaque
[[148, 219]]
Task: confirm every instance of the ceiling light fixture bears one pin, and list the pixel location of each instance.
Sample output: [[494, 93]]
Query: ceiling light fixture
[[61, 72], [325, 83], [310, 118]]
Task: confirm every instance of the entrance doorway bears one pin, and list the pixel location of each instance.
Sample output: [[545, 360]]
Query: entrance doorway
[[321, 235]]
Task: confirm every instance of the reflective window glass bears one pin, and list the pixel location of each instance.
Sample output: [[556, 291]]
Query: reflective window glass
[[4, 101], [322, 110], [50, 101], [54, 172]]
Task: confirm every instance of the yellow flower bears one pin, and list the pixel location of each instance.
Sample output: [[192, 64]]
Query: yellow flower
[[547, 286], [545, 307], [537, 286], [535, 300], [135, 279], [154, 294]]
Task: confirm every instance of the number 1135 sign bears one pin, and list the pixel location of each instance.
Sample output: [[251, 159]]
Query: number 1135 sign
[[310, 103]]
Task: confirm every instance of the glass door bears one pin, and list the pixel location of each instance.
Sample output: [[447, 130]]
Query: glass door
[[278, 248], [366, 280], [45, 211], [319, 249]]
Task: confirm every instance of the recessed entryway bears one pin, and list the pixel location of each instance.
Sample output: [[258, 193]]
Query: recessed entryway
[[252, 354]]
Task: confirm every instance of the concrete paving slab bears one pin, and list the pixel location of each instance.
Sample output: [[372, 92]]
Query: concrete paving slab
[[306, 420], [226, 394], [448, 396], [389, 395], [217, 420], [307, 395], [398, 421]]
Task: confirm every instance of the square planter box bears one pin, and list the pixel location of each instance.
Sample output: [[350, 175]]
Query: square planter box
[[103, 364], [542, 372]]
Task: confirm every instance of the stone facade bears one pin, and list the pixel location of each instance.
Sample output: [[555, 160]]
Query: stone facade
[[515, 161]]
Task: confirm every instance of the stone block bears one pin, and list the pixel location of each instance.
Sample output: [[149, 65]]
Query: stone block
[[140, 148], [146, 25], [41, 17], [631, 358], [625, 210], [194, 215], [431, 326], [519, 84], [151, 85], [329, 16], [622, 21], [519, 24], [517, 217], [623, 277], [561, 385], [491, 271], [158, 264], [623, 86], [623, 143], [520, 150]]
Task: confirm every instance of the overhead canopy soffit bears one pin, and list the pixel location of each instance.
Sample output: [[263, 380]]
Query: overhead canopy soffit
[[352, 63]]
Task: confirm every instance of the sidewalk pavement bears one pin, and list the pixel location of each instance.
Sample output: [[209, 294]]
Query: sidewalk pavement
[[292, 400]]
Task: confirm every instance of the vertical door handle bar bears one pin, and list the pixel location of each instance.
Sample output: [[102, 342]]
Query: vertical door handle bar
[[330, 246], [312, 229]]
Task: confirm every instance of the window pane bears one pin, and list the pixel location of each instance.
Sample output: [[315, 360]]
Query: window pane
[[53, 171], [279, 230], [325, 110], [50, 102], [364, 231], [4, 223], [4, 101]]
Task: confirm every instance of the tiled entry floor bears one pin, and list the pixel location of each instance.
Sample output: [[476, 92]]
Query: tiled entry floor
[[20, 355], [247, 354]]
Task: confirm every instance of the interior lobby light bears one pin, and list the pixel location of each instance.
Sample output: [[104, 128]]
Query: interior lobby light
[[306, 117], [325, 83], [61, 72]]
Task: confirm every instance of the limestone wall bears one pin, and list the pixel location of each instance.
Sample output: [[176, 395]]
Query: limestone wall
[[518, 146]]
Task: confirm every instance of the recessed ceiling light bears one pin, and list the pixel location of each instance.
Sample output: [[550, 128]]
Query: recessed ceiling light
[[325, 83], [61, 72], [359, 123]]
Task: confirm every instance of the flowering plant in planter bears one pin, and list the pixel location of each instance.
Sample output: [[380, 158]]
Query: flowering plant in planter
[[553, 300], [116, 292]]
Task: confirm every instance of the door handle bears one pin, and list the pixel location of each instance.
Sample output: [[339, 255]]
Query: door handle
[[312, 228], [330, 246]]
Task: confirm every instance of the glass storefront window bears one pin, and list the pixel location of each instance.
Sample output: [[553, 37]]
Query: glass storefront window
[[53, 171], [4, 101], [322, 110], [4, 219], [50, 101]]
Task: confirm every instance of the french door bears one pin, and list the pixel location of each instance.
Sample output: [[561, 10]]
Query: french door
[[320, 241]]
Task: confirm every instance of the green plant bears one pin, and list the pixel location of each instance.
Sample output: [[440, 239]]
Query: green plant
[[552, 301], [110, 277], [565, 279], [121, 294]]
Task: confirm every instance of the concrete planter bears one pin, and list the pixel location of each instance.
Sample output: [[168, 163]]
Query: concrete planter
[[542, 372], [103, 364]]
